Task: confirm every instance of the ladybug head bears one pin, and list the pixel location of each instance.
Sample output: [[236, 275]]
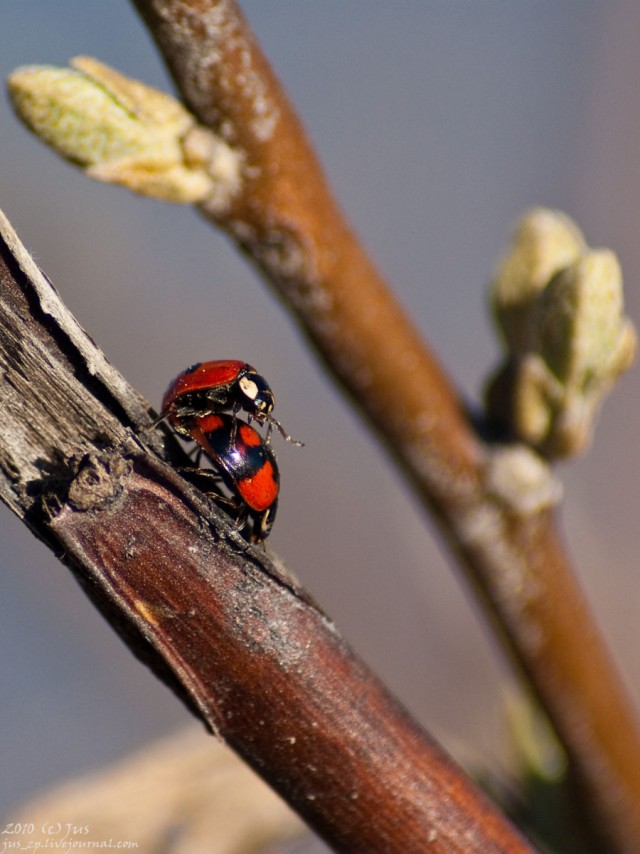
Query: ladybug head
[[257, 394], [259, 402]]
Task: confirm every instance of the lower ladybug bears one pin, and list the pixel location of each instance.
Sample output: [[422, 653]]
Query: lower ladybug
[[224, 385], [247, 466]]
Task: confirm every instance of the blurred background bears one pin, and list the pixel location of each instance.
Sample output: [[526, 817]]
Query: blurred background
[[438, 124]]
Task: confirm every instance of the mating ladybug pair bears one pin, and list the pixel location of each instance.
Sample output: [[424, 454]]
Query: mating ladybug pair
[[201, 404]]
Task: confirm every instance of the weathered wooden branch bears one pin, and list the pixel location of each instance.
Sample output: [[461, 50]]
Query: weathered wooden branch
[[217, 619], [287, 222]]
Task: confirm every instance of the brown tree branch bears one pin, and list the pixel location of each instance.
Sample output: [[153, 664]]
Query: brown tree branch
[[286, 220], [217, 619]]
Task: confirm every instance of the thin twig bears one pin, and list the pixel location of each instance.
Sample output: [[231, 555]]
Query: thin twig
[[217, 619], [287, 222]]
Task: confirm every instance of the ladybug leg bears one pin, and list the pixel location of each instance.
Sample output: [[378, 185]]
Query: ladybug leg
[[273, 422], [196, 455], [179, 412], [241, 518], [225, 502], [209, 487], [238, 511], [205, 474], [157, 421], [234, 426]]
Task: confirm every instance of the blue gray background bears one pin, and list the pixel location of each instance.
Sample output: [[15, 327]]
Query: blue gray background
[[439, 123]]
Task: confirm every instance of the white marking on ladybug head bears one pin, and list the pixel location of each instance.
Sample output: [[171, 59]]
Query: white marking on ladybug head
[[248, 387]]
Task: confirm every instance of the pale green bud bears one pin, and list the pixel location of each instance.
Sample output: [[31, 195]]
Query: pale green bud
[[567, 340], [544, 242], [123, 132]]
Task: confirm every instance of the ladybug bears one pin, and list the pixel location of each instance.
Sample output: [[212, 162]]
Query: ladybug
[[247, 466], [224, 385]]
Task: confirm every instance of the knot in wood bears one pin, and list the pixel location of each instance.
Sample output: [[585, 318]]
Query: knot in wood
[[98, 482]]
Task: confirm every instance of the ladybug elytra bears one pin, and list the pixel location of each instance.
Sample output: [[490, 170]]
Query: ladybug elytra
[[247, 466]]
